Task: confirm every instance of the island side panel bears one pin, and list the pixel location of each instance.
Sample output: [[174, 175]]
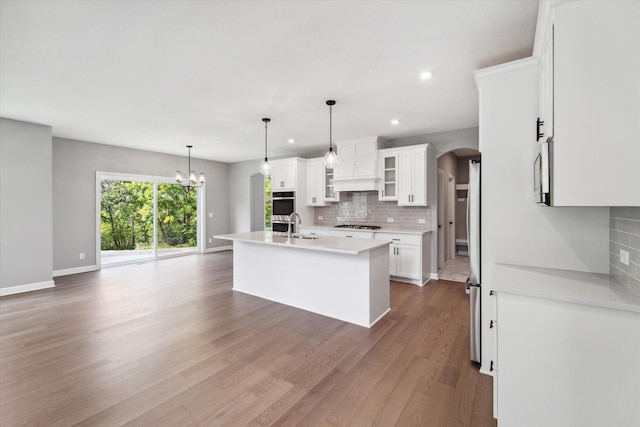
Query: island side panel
[[328, 283], [379, 293]]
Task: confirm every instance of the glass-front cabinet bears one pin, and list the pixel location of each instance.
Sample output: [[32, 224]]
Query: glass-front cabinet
[[388, 164], [329, 194]]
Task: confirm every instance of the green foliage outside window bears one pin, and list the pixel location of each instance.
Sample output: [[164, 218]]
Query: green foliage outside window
[[127, 216], [267, 202]]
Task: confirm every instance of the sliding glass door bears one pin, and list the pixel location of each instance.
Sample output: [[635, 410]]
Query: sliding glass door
[[177, 224], [143, 218]]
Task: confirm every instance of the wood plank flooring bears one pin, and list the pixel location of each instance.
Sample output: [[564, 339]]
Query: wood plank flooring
[[170, 343]]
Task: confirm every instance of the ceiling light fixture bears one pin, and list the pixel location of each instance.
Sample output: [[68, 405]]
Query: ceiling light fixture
[[426, 75], [395, 122], [193, 182], [330, 158], [265, 168], [291, 140]]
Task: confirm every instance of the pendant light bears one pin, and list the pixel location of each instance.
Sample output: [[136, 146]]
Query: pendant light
[[330, 158], [265, 168], [193, 181]]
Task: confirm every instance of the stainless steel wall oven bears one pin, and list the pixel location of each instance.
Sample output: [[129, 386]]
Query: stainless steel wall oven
[[283, 204]]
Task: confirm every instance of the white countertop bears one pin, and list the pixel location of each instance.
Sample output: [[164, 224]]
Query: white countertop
[[321, 243], [381, 230], [594, 289]]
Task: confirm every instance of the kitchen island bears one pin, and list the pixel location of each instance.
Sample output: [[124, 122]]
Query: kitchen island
[[343, 278]]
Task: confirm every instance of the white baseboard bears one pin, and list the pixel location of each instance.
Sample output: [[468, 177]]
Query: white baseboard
[[219, 248], [11, 290], [75, 270], [434, 276]]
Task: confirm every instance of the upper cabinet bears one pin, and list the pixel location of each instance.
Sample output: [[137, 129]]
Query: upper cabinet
[[315, 182], [412, 177], [330, 194], [590, 102], [388, 171], [288, 175]]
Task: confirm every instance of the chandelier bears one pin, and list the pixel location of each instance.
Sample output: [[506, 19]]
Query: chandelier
[[193, 182]]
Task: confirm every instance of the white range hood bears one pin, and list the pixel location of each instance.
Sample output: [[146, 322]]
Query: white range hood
[[356, 174], [357, 166]]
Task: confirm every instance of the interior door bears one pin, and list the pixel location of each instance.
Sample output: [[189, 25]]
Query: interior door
[[451, 217], [441, 219]]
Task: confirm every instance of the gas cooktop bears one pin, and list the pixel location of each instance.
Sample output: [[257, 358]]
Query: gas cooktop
[[358, 226]]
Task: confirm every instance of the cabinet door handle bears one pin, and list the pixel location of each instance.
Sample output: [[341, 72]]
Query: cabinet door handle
[[539, 124], [409, 197], [491, 368], [491, 324], [397, 240], [348, 236]]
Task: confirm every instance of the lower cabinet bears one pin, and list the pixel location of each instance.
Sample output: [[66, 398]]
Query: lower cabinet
[[566, 364], [409, 253], [409, 256]]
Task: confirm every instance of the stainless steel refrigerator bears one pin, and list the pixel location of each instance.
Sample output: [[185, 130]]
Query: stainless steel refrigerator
[[473, 240]]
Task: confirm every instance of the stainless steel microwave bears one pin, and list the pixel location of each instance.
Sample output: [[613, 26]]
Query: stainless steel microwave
[[542, 173]]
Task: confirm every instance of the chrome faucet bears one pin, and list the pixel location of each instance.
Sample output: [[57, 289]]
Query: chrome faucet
[[293, 215]]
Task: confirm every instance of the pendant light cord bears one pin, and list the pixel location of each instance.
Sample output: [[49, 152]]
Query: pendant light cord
[[265, 140], [331, 103]]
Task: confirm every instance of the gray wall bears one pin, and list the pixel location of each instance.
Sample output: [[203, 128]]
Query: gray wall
[[74, 195], [624, 233], [25, 204], [240, 194]]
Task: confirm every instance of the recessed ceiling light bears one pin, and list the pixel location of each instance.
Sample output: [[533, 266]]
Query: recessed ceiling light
[[425, 75], [291, 140], [395, 122]]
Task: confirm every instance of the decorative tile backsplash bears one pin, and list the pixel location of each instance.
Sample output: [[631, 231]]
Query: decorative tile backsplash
[[365, 208], [624, 234]]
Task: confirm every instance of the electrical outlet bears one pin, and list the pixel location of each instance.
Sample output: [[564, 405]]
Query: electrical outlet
[[210, 214], [320, 217], [389, 219], [624, 257], [421, 221], [209, 239], [81, 255]]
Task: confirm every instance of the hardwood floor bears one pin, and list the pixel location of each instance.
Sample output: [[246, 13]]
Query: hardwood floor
[[170, 343]]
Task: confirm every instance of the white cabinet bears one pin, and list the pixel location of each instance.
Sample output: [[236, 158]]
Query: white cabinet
[[330, 195], [409, 253], [412, 177], [565, 364], [408, 260], [545, 90], [595, 114], [315, 182], [388, 172], [284, 175]]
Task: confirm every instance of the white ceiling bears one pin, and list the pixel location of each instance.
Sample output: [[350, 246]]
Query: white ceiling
[[158, 75]]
